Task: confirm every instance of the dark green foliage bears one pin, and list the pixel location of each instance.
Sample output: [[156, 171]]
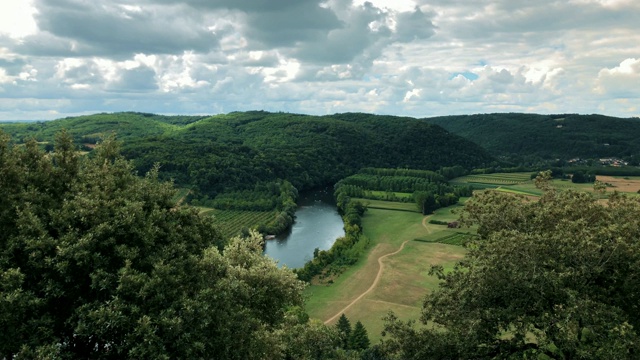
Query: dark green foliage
[[438, 222], [426, 201], [556, 278], [529, 137], [234, 152], [359, 339], [344, 330], [393, 183], [96, 262], [430, 189], [579, 177], [452, 172]]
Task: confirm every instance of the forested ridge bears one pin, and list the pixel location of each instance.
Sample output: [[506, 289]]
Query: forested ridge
[[236, 151], [563, 136]]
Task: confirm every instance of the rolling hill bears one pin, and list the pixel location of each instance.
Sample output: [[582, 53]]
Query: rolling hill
[[564, 136], [235, 151]]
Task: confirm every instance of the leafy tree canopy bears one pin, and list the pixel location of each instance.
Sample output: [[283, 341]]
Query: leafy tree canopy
[[557, 278], [524, 137], [96, 262]]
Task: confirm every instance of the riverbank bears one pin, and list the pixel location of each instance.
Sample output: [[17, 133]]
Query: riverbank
[[404, 280], [317, 225]]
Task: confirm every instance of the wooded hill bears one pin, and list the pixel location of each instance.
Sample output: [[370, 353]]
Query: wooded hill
[[529, 136], [236, 151]]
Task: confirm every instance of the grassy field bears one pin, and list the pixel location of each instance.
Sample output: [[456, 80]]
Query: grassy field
[[404, 280], [520, 183], [390, 205]]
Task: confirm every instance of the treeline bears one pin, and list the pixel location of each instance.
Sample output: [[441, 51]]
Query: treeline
[[430, 190], [429, 202], [391, 183], [446, 172]]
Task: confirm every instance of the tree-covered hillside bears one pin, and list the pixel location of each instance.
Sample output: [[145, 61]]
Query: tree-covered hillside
[[238, 150], [520, 136]]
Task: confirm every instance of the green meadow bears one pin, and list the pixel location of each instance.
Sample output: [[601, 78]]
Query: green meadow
[[404, 280]]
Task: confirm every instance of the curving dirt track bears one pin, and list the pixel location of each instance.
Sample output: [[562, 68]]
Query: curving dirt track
[[378, 276]]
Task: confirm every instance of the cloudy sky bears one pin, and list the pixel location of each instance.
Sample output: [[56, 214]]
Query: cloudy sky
[[403, 57]]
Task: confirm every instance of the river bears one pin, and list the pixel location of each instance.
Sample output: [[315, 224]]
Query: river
[[317, 225]]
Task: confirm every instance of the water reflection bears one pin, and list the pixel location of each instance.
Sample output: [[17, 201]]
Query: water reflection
[[317, 225]]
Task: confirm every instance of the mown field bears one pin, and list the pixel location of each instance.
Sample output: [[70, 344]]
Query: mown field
[[404, 280], [390, 205]]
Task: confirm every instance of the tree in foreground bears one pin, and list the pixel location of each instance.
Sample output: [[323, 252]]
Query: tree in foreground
[[96, 262], [344, 330], [556, 278], [359, 339]]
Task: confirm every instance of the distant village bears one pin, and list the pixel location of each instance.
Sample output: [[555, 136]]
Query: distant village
[[611, 161]]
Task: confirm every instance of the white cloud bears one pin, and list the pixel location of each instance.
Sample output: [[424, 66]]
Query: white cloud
[[403, 57], [622, 81], [17, 18]]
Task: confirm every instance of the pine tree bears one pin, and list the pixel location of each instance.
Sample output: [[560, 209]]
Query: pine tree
[[344, 329], [359, 339]]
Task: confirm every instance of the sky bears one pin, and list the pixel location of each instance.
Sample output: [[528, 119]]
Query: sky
[[417, 58]]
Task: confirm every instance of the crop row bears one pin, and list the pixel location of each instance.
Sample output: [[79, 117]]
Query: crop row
[[231, 222], [524, 176], [504, 179]]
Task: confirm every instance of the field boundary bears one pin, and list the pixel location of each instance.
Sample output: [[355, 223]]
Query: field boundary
[[390, 209]]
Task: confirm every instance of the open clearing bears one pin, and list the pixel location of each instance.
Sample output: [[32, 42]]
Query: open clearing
[[622, 184], [390, 205], [403, 281]]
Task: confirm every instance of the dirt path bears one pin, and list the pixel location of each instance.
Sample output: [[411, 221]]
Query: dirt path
[[375, 283], [378, 276], [424, 223]]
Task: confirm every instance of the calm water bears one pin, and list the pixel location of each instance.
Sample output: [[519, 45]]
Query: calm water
[[317, 225]]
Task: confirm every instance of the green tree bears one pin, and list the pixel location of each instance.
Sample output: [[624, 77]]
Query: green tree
[[344, 330], [96, 262], [359, 339], [556, 278], [426, 201]]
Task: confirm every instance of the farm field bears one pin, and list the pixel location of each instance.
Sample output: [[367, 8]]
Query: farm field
[[506, 182], [403, 273], [231, 222], [494, 179], [389, 205]]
